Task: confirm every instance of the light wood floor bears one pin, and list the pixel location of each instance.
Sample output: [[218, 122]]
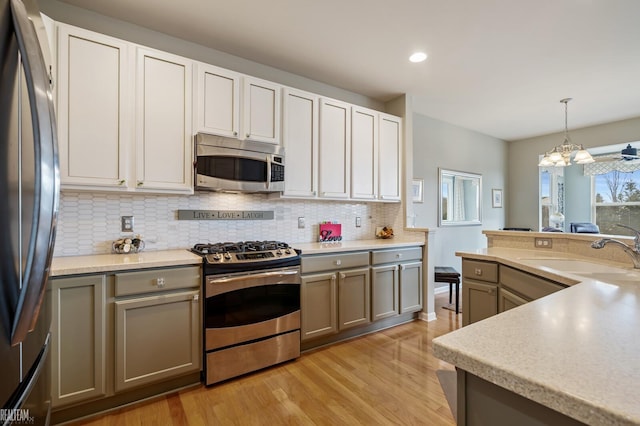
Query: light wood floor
[[384, 378]]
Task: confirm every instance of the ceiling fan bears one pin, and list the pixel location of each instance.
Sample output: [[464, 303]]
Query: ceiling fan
[[627, 154]]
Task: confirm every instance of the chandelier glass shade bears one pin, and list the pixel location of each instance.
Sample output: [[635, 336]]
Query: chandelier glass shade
[[560, 156]]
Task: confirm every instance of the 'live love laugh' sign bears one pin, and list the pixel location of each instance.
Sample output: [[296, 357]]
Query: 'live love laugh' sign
[[225, 215]]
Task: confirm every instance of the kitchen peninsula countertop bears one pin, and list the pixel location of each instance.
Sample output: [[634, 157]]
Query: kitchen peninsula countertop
[[575, 351], [97, 263], [342, 246]]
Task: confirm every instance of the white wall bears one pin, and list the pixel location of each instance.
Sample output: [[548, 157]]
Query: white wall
[[522, 198], [439, 144]]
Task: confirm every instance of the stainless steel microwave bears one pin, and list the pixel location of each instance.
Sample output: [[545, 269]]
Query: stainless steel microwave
[[227, 164]]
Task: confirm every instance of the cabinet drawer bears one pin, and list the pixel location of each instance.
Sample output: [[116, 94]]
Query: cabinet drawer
[[527, 285], [128, 283], [478, 270], [396, 255], [334, 261]]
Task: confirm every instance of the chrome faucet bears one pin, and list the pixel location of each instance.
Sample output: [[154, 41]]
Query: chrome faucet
[[633, 252]]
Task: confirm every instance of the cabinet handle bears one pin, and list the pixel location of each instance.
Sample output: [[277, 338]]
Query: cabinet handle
[[478, 271], [342, 276], [338, 262], [196, 297], [140, 183], [160, 282], [122, 182]]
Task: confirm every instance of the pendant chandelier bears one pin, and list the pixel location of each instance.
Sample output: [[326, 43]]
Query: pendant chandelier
[[560, 156]]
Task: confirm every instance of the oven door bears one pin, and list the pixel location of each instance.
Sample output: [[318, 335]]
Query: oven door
[[244, 306]]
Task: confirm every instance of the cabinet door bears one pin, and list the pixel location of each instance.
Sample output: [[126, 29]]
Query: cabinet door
[[390, 149], [300, 140], [218, 100], [479, 301], [354, 302], [364, 153], [163, 122], [78, 331], [334, 149], [318, 305], [384, 291], [508, 300], [261, 110], [93, 120], [410, 287], [156, 338]]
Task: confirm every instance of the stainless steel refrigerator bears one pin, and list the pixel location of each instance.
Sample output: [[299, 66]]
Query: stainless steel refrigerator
[[29, 191]]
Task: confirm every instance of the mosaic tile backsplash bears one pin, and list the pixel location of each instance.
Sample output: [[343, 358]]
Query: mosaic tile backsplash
[[89, 222]]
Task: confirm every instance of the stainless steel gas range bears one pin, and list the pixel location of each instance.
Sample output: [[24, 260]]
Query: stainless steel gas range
[[252, 306]]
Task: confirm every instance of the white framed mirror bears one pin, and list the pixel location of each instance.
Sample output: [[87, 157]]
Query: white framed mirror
[[459, 198]]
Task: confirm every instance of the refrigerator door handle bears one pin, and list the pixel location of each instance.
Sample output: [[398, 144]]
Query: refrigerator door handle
[[47, 176]]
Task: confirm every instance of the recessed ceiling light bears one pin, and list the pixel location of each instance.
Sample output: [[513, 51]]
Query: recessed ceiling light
[[418, 57]]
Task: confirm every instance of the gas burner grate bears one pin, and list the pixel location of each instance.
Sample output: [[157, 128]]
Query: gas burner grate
[[238, 247]]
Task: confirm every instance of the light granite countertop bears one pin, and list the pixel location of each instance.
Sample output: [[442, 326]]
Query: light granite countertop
[[99, 263], [576, 351], [343, 246]]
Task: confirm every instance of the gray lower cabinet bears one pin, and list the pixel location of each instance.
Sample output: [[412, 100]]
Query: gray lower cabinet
[[157, 337], [78, 339], [396, 282], [318, 305], [354, 298], [113, 332], [479, 301], [508, 300]]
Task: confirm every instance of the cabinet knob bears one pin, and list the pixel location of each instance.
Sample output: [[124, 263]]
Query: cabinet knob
[[398, 255], [338, 262], [248, 134], [140, 183], [478, 271], [403, 267], [342, 276], [490, 291], [122, 182], [235, 133], [196, 297], [160, 282]]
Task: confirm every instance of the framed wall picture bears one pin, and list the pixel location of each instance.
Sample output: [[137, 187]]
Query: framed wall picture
[[417, 189], [496, 198]]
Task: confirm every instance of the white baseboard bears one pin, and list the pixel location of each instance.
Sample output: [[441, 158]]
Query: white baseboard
[[428, 316], [442, 289]]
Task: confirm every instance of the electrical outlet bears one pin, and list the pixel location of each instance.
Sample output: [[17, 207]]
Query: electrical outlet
[[358, 221], [126, 223], [543, 242], [301, 223]]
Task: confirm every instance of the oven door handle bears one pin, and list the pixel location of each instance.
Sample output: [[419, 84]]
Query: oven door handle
[[225, 280]]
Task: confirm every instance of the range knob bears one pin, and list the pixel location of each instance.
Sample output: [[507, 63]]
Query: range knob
[[227, 256], [287, 251], [279, 252], [216, 257]]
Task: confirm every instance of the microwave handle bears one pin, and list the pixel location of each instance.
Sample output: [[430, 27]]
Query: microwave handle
[[268, 171]]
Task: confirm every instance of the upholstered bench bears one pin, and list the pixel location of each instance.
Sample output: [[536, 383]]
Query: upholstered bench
[[447, 274]]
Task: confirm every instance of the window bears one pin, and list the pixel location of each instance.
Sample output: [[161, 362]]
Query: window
[[616, 199]]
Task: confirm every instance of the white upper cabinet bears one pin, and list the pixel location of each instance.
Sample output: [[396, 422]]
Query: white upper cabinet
[[230, 104], [390, 158], [93, 116], [261, 106], [300, 141], [163, 121], [364, 153], [218, 100], [334, 149], [124, 115]]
